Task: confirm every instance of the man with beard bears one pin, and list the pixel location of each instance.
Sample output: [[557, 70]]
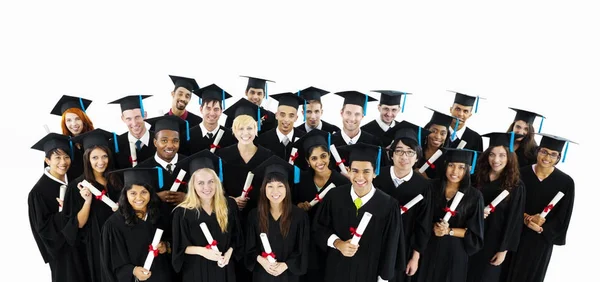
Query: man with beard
[[184, 87]]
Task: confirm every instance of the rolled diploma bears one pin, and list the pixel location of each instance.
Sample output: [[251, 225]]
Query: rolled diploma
[[180, 176], [554, 201], [362, 225], [322, 194], [46, 128], [338, 159], [431, 160], [267, 247], [217, 140], [155, 241], [294, 151], [97, 192], [209, 237], [247, 184], [457, 198], [133, 153], [412, 202], [496, 201], [461, 144], [61, 195]]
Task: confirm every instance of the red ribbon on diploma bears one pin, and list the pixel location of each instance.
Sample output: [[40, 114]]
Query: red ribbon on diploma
[[353, 232], [340, 162], [265, 255], [492, 208], [447, 209], [131, 160], [101, 195], [247, 191], [403, 208], [213, 146], [153, 250], [318, 198], [294, 157], [214, 243], [548, 208], [180, 182], [430, 164]]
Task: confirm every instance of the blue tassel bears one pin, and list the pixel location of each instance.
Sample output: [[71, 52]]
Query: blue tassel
[[187, 130], [81, 103], [419, 136], [266, 91], [365, 105], [404, 102], [71, 149], [565, 154], [476, 103], [378, 162], [541, 123], [199, 100], [258, 119], [304, 110], [220, 170], [223, 98], [512, 141], [474, 162], [296, 175], [455, 129], [141, 106], [160, 177], [116, 143], [328, 140]]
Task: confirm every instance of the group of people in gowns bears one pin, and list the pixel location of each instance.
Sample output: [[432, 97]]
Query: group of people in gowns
[[261, 199]]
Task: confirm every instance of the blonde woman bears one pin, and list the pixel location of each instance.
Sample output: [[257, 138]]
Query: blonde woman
[[194, 257]]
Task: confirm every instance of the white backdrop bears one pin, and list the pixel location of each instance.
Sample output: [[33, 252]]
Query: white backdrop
[[535, 56]]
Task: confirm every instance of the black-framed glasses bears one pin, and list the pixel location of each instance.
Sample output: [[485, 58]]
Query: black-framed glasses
[[405, 153], [553, 156]]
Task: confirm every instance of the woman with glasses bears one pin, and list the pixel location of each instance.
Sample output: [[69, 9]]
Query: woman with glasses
[[543, 181]]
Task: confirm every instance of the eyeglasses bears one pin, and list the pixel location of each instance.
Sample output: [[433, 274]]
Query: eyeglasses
[[405, 153], [546, 153]]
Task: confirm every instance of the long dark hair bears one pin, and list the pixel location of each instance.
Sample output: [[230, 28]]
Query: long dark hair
[[88, 172], [324, 148], [264, 205], [126, 210], [463, 186], [510, 175], [528, 143], [411, 144]]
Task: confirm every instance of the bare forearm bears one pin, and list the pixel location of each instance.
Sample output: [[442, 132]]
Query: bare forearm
[[83, 215]]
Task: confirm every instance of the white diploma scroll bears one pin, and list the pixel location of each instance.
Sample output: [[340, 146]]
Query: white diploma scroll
[[208, 236], [321, 195], [293, 155], [552, 203], [178, 181], [338, 159], [133, 156], [155, 241], [268, 251], [410, 204], [362, 225], [215, 143], [97, 193], [247, 185], [457, 198], [461, 144], [46, 128], [431, 160], [61, 196], [492, 206]]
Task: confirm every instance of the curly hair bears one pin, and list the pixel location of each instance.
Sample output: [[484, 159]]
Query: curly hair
[[87, 123], [510, 175]]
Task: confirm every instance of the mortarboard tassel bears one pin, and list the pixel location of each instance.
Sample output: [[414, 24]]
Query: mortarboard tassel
[[476, 103], [455, 129], [512, 141], [142, 106], [541, 123], [565, 154], [71, 149], [419, 136], [304, 110], [223, 98], [258, 115], [187, 130], [404, 102], [365, 105], [116, 143], [81, 103], [266, 91], [296, 175], [160, 177], [328, 140], [378, 162], [220, 170], [474, 162], [199, 100]]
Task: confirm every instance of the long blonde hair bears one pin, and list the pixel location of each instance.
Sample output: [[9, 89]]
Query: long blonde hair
[[219, 201]]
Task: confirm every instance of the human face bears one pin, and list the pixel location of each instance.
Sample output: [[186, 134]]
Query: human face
[[181, 97], [314, 111], [134, 121], [461, 112], [362, 174], [388, 113], [547, 158], [255, 95], [498, 158], [211, 112], [99, 160], [286, 116], [59, 163], [455, 172], [204, 185], [319, 159], [138, 197], [351, 117], [245, 134], [402, 160], [438, 135], [521, 127], [275, 192], [167, 144], [74, 123]]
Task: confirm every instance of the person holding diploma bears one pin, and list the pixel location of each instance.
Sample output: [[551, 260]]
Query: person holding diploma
[[403, 184], [447, 254], [336, 222], [195, 257], [437, 139], [128, 234], [543, 181], [525, 146], [285, 225], [45, 219], [498, 171]]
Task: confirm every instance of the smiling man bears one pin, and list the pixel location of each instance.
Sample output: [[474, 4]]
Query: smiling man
[[389, 107], [313, 111], [352, 114], [462, 108], [182, 94]]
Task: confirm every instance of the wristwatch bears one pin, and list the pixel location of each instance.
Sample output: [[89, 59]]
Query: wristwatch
[[451, 232]]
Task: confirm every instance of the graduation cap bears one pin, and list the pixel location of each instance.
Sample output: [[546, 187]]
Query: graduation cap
[[466, 100], [66, 102], [469, 157], [131, 102], [275, 164], [405, 129], [356, 98], [312, 93], [392, 97], [506, 139], [244, 107], [555, 143], [213, 92], [53, 141], [141, 175], [313, 138], [363, 152], [528, 117], [96, 137], [444, 120], [288, 99], [174, 123], [202, 159], [258, 83], [188, 83]]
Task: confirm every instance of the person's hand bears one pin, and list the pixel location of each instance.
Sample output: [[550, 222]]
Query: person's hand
[[498, 258], [531, 225], [226, 258], [162, 247], [85, 193], [304, 205], [163, 195], [241, 202], [441, 228], [265, 264], [538, 219], [412, 266], [347, 249], [141, 273], [60, 203], [211, 254], [486, 213], [278, 268], [177, 197]]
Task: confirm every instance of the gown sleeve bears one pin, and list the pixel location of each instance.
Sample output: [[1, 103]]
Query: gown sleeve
[[251, 247], [117, 264], [180, 238], [297, 261], [557, 221], [392, 253], [47, 224], [72, 205], [423, 224], [237, 233], [473, 240], [514, 220], [321, 225]]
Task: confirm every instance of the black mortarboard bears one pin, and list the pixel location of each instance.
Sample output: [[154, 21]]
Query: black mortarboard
[[463, 99], [356, 98], [506, 139], [288, 99], [391, 97], [275, 164], [469, 157], [555, 143], [363, 152], [258, 83], [213, 92], [66, 102], [313, 93], [405, 129], [173, 122], [96, 137], [202, 159], [244, 107], [313, 138], [131, 102], [528, 117], [442, 119], [188, 83], [53, 141], [141, 175]]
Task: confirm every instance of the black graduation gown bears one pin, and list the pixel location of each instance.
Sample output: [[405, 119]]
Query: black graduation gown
[[46, 225], [473, 139], [531, 260], [365, 137], [524, 160], [125, 247], [379, 245], [270, 140], [198, 142], [502, 231], [87, 239], [192, 119], [123, 156], [446, 258], [76, 168], [293, 249], [187, 232], [267, 119], [416, 222], [325, 126], [374, 129]]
